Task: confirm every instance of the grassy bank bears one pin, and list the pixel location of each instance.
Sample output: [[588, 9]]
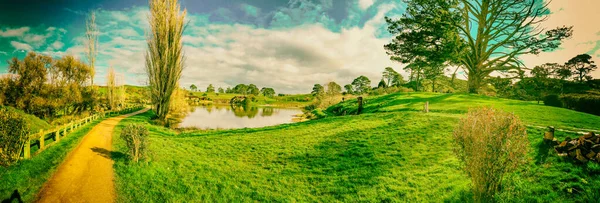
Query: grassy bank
[[35, 124], [28, 176], [393, 152]]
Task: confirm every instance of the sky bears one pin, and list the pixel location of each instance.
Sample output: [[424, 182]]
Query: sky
[[285, 44]]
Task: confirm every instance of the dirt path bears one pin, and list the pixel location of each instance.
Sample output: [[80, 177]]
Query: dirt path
[[86, 175]]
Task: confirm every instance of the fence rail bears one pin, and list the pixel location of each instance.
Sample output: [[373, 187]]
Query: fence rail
[[39, 139]]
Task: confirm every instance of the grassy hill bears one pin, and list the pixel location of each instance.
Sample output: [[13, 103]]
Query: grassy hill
[[35, 124], [391, 153]]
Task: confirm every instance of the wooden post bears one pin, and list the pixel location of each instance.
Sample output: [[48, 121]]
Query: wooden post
[[64, 130], [42, 139], [57, 135], [360, 105], [27, 150], [426, 108], [549, 135]]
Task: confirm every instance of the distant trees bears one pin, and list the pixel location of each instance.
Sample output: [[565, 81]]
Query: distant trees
[[267, 92], [193, 87], [240, 89], [361, 85], [333, 88], [382, 84], [221, 91], [318, 90], [164, 58], [210, 89], [581, 66], [349, 89], [253, 90]]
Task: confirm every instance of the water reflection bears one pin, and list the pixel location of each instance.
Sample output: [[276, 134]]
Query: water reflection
[[228, 117]]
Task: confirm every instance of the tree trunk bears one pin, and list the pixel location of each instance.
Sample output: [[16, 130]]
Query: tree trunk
[[474, 83]]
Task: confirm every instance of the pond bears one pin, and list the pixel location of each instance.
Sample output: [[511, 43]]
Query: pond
[[227, 117]]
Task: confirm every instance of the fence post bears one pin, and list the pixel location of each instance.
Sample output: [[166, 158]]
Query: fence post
[[360, 104], [42, 139], [27, 149], [57, 135], [426, 107]]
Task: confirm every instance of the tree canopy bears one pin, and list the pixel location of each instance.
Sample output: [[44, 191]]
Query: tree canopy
[[480, 36]]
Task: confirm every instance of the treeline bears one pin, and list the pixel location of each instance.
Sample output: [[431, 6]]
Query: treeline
[[549, 79], [243, 89], [567, 85], [47, 87]]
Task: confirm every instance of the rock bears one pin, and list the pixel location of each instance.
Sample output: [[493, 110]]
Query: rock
[[590, 135]]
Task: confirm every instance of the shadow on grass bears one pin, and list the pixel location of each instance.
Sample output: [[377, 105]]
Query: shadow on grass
[[344, 166], [15, 197], [114, 155]]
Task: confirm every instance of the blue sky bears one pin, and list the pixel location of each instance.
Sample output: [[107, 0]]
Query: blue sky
[[286, 44]]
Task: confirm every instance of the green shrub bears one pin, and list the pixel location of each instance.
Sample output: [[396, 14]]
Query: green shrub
[[588, 103], [553, 100], [136, 140], [319, 113], [490, 143], [13, 135]]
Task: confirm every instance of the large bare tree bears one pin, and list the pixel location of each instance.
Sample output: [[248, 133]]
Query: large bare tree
[[164, 58], [480, 36], [91, 35], [497, 32]]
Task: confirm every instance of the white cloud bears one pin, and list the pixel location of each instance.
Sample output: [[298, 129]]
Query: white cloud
[[585, 37], [364, 4], [21, 46], [18, 32], [290, 60], [57, 45]]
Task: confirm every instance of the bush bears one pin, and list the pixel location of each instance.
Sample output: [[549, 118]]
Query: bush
[[319, 113], [588, 103], [136, 139], [13, 135], [553, 100], [490, 143]]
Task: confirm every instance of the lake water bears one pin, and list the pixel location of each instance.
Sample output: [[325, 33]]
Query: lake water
[[226, 117]]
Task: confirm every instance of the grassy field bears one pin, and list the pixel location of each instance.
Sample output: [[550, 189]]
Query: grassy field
[[299, 100], [28, 176], [391, 153]]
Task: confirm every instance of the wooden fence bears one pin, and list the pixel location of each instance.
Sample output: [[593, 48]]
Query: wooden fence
[[54, 135]]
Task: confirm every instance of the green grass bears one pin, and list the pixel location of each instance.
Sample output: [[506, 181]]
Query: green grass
[[28, 176], [391, 153]]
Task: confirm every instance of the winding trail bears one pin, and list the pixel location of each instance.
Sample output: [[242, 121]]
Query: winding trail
[[86, 175]]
